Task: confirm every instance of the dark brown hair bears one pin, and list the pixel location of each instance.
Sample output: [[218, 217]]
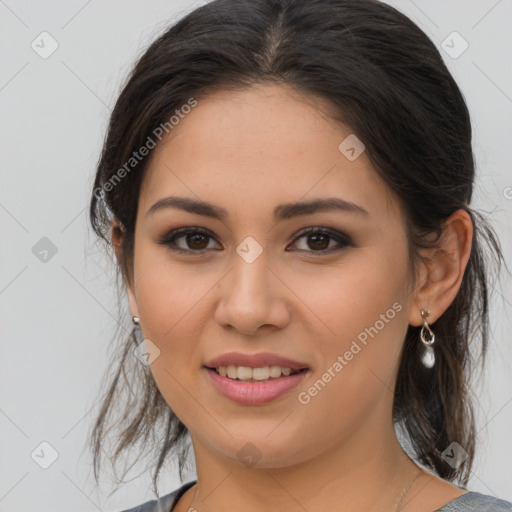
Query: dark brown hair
[[383, 77]]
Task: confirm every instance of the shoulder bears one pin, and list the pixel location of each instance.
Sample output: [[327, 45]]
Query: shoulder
[[164, 503], [476, 502]]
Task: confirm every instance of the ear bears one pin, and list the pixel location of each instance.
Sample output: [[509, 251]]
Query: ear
[[442, 275], [117, 241]]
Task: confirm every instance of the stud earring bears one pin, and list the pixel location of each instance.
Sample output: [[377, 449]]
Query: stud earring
[[136, 320], [428, 358]]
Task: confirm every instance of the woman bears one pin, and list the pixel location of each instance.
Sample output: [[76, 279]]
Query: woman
[[286, 186]]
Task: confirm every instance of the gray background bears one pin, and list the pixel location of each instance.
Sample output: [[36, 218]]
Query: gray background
[[57, 316]]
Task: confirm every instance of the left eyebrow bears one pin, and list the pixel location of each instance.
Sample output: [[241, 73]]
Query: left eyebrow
[[281, 212], [289, 210]]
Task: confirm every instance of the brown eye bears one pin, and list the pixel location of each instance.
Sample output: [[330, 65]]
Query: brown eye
[[319, 240], [195, 240]]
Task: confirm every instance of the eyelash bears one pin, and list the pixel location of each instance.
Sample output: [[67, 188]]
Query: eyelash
[[169, 239]]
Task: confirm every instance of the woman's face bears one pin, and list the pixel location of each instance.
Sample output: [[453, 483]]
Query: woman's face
[[337, 303]]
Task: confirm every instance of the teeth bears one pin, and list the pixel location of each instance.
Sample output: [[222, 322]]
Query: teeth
[[248, 373]]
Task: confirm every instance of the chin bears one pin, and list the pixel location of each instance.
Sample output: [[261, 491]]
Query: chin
[[259, 451]]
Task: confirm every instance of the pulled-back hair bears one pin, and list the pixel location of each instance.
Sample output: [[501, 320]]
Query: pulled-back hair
[[385, 79]]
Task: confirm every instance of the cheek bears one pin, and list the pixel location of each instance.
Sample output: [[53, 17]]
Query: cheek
[[344, 302], [171, 302], [169, 296], [360, 317], [357, 366]]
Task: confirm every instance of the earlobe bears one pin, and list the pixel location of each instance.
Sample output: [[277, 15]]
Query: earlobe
[[445, 268]]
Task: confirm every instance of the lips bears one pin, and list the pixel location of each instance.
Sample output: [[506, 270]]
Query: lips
[[255, 393], [255, 361]]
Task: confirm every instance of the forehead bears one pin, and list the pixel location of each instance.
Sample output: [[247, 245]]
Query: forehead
[[259, 147]]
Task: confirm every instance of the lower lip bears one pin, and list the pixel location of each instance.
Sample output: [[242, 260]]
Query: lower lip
[[255, 392]]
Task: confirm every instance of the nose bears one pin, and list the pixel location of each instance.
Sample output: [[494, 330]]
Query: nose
[[251, 297]]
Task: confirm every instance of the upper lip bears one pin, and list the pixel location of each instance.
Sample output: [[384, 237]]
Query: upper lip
[[254, 361]]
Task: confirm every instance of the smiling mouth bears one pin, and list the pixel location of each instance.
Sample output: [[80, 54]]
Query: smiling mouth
[[249, 374]]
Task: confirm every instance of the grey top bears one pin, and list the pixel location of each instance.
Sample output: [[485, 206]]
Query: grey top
[[469, 502]]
